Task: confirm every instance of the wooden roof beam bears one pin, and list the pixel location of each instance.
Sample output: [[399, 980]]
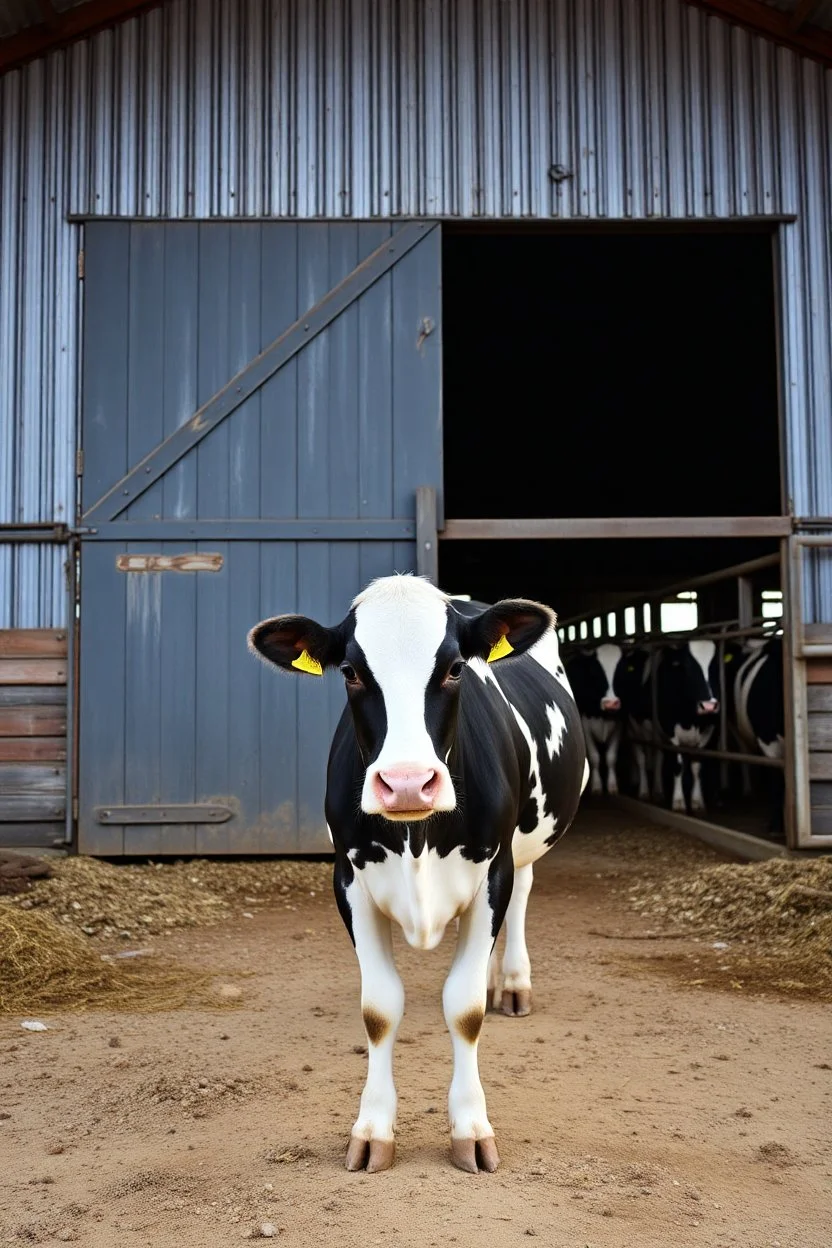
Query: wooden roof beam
[[56, 30], [761, 19]]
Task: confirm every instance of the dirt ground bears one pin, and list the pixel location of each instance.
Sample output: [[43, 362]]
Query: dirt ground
[[630, 1108]]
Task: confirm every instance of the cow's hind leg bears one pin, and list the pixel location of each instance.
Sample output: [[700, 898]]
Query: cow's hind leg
[[464, 1000], [372, 1144], [516, 999]]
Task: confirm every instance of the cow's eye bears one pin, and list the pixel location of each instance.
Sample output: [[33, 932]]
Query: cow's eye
[[456, 668], [349, 674]]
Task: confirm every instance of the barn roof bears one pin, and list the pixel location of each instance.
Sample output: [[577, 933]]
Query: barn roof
[[30, 28]]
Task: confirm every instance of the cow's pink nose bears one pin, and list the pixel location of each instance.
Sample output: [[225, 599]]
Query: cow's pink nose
[[406, 788], [610, 704], [709, 708]]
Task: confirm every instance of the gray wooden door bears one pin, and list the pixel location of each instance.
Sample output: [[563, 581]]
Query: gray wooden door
[[263, 399]]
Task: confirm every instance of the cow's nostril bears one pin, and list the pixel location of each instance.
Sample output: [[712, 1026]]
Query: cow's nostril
[[430, 786]]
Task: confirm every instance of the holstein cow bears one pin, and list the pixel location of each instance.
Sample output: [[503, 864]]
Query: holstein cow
[[594, 675], [760, 712], [687, 708], [458, 761]]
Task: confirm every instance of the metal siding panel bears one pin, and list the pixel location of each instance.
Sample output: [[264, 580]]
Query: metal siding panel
[[243, 834], [245, 342], [179, 311], [177, 700], [145, 357], [313, 458], [278, 702], [344, 394], [374, 383], [313, 713], [107, 258], [142, 699], [417, 374], [214, 366], [103, 655], [279, 396], [213, 697]]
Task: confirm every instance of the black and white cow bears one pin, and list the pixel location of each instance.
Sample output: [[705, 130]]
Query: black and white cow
[[594, 674], [759, 713], [687, 710], [459, 760]]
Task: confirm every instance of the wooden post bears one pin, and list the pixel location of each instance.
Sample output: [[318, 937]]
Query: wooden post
[[427, 537]]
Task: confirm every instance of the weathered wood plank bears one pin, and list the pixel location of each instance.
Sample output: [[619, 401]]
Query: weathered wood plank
[[32, 721], [33, 695], [817, 634], [820, 731], [32, 749], [32, 671], [31, 807], [32, 778], [819, 698], [42, 835], [820, 766], [819, 672], [32, 643]]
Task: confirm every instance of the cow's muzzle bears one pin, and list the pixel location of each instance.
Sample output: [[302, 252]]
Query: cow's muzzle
[[709, 707]]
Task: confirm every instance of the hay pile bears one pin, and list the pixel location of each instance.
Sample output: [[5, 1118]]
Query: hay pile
[[46, 965], [129, 901], [766, 924]]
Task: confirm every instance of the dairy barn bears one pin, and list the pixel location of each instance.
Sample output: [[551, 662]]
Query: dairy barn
[[533, 298]]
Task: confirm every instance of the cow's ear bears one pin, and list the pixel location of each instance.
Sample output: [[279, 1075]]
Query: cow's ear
[[509, 627], [297, 644]]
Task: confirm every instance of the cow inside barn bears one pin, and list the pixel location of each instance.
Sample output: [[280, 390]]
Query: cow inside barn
[[759, 711], [458, 761], [687, 711], [594, 674]]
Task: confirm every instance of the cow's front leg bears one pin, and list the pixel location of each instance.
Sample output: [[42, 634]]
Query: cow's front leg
[[678, 787], [697, 801], [612, 761], [372, 1142], [464, 1000]]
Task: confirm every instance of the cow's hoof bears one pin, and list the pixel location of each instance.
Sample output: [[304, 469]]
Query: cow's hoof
[[475, 1155], [370, 1155], [680, 807], [517, 1003]]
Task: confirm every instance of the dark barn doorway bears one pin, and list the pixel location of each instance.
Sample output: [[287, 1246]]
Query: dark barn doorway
[[611, 375]]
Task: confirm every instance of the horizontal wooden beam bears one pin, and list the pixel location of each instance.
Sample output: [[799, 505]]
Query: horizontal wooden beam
[[32, 643], [63, 28], [762, 19], [32, 750], [580, 529], [32, 721], [32, 672], [741, 844]]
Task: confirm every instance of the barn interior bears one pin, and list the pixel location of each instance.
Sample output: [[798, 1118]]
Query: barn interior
[[612, 374]]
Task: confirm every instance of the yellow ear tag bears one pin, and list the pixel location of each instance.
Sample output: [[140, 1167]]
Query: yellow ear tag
[[305, 663], [729, 658], [500, 649]]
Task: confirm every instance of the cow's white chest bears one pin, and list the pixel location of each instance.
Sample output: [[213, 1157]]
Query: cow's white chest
[[692, 738], [423, 894], [602, 730]]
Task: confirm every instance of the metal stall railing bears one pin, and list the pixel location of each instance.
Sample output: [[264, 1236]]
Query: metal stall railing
[[745, 625]]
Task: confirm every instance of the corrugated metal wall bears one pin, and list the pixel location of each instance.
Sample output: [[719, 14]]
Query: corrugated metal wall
[[374, 108]]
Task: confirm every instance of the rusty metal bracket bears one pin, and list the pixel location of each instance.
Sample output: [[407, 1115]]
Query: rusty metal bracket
[[163, 814]]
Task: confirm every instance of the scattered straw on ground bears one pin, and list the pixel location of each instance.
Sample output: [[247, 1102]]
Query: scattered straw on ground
[[45, 965], [130, 901], [763, 925]]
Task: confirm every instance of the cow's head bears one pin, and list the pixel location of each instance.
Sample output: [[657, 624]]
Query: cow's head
[[402, 651], [696, 664], [596, 679]]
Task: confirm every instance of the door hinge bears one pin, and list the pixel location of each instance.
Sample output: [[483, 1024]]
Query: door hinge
[[79, 462], [81, 266]]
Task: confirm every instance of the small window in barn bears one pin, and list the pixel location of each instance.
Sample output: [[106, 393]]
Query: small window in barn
[[596, 626], [612, 624], [681, 614], [572, 633], [772, 604], [630, 620], [584, 630]]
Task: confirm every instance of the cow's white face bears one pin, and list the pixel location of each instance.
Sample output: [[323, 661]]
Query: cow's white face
[[402, 651], [403, 637]]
